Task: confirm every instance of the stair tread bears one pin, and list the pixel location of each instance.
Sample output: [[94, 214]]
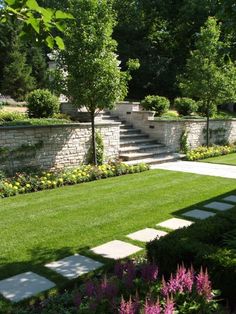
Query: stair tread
[[157, 159], [140, 147]]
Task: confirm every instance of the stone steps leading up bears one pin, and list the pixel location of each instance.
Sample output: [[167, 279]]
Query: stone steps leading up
[[137, 147]]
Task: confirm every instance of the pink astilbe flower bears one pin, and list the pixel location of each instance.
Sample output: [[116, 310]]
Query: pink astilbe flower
[[128, 307], [180, 283], [149, 272], [169, 306], [152, 308], [77, 300], [203, 284]]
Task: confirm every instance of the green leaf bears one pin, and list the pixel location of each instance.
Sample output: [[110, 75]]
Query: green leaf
[[61, 27], [46, 14], [60, 42], [34, 23], [10, 2], [63, 15], [50, 41], [33, 5]]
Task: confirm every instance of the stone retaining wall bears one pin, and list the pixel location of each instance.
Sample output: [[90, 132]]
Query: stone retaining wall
[[61, 145], [169, 132]]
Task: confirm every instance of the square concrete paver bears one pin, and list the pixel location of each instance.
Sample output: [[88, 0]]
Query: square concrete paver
[[198, 214], [74, 266], [219, 206], [24, 286], [116, 249], [175, 223], [230, 198], [146, 235]]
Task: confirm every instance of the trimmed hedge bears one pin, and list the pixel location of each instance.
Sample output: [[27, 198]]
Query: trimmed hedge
[[203, 152], [159, 104], [201, 244]]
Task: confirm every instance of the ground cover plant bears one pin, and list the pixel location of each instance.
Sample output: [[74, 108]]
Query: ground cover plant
[[134, 288], [226, 159], [211, 243], [203, 152], [26, 182]]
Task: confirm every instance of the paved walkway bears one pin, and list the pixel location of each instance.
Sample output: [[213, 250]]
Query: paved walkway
[[203, 168]]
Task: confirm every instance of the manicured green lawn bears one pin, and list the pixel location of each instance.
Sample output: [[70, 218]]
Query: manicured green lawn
[[40, 227], [226, 159]]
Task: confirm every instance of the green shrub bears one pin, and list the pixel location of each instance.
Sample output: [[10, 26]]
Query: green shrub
[[99, 150], [7, 116], [158, 104], [202, 109], [185, 106], [61, 116], [42, 103], [201, 244]]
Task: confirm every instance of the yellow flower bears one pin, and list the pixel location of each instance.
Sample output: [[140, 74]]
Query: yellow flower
[[60, 180], [28, 185], [15, 188], [17, 183]]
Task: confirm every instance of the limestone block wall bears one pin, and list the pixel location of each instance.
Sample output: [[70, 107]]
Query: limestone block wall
[[169, 132], [61, 145]]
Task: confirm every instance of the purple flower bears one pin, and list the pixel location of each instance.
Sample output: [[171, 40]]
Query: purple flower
[[107, 289], [90, 289], [119, 270], [130, 273], [149, 272], [152, 308], [169, 306], [204, 284], [128, 307]]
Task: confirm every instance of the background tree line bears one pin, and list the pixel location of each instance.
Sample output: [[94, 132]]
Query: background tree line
[[160, 34]]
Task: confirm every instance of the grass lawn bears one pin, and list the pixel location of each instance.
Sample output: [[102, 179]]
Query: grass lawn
[[229, 159], [40, 227]]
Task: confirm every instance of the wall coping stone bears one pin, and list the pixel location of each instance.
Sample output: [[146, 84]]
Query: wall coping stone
[[79, 125], [191, 120]]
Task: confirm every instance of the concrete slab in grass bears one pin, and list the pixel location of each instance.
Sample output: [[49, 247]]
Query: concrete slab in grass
[[230, 198], [175, 223], [219, 206], [116, 249], [146, 235], [24, 286], [198, 214], [74, 266]]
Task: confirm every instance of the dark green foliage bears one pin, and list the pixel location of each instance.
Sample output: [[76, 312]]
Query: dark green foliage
[[158, 104], [185, 106], [17, 74], [42, 103], [201, 244]]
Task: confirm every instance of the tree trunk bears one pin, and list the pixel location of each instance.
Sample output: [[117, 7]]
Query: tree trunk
[[208, 129], [93, 139]]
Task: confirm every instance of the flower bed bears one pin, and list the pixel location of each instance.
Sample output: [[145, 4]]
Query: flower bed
[[137, 288], [25, 183], [203, 152]]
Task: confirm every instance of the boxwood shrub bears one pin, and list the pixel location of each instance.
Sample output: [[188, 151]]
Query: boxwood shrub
[[201, 244], [159, 104], [185, 106]]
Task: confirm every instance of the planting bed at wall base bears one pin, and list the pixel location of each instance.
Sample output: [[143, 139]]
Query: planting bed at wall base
[[210, 243]]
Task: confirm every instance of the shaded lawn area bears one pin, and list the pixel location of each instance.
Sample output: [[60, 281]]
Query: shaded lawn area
[[229, 159], [40, 227]]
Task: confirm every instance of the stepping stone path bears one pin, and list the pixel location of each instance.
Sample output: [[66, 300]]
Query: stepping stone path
[[230, 198], [74, 266], [146, 235], [175, 223], [116, 249], [219, 206], [29, 284], [24, 286], [198, 214]]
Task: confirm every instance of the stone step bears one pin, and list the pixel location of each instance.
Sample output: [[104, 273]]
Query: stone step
[[143, 148], [125, 126], [142, 155], [135, 137], [155, 160], [137, 141], [129, 131]]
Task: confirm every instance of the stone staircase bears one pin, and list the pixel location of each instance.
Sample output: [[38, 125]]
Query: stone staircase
[[137, 147]]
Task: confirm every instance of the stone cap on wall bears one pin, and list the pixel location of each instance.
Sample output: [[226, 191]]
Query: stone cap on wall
[[79, 125]]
